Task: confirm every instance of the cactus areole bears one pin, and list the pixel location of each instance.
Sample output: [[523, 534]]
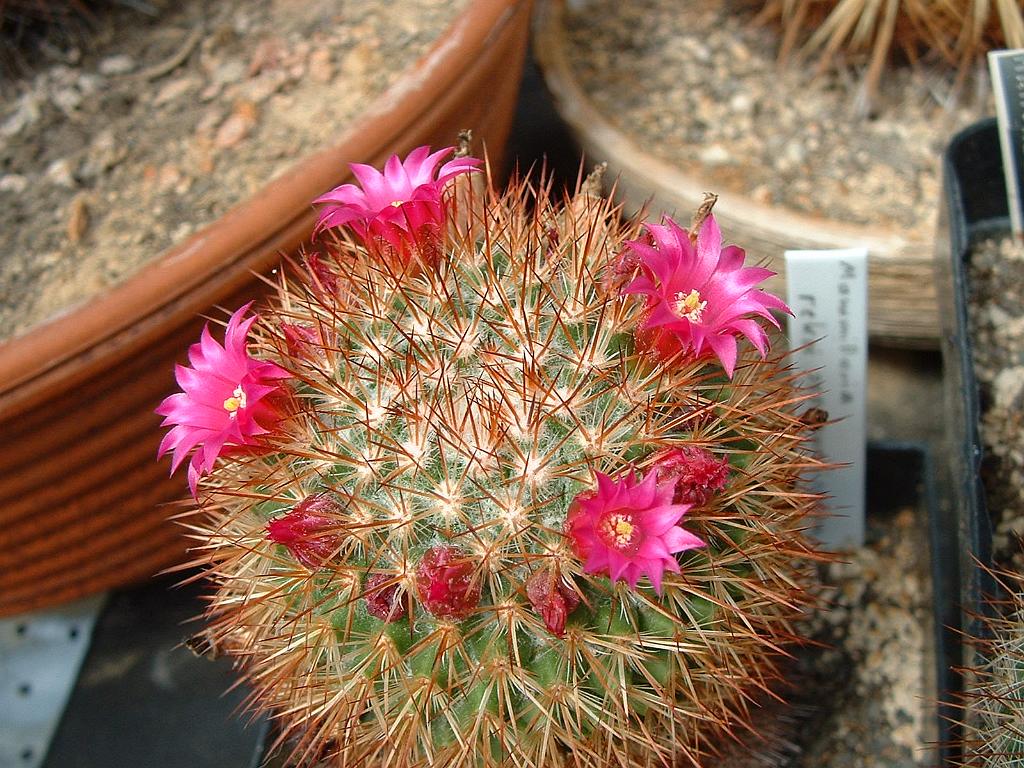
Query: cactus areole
[[527, 495]]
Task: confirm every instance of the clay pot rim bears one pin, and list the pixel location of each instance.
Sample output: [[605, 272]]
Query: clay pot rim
[[646, 182], [29, 360], [589, 122]]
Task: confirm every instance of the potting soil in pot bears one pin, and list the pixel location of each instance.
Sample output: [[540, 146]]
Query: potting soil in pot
[[115, 151], [699, 85], [996, 308]]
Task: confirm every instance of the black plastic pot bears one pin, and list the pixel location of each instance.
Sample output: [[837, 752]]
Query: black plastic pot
[[975, 208]]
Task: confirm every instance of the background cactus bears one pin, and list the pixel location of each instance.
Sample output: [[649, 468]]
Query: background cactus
[[404, 567], [993, 707]]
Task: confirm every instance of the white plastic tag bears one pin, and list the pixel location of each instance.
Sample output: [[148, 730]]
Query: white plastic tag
[[828, 293], [1007, 68], [40, 654]]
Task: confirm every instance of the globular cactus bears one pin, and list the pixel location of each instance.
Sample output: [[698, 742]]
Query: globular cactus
[[527, 497], [993, 706]]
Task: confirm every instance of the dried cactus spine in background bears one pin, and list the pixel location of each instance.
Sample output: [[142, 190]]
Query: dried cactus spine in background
[[955, 31], [492, 530]]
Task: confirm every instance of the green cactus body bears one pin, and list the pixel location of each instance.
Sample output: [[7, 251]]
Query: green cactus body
[[466, 407], [994, 702]]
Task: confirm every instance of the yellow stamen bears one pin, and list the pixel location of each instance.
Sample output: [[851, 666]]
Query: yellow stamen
[[236, 401], [623, 532], [689, 305], [397, 203], [617, 530]]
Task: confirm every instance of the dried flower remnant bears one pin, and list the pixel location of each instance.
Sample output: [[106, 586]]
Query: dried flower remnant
[[323, 282], [383, 597], [696, 473], [302, 340], [448, 582], [552, 599], [227, 400], [700, 297]]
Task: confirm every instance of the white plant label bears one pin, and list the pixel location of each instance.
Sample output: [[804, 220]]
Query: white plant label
[[40, 654], [1007, 68], [828, 293]]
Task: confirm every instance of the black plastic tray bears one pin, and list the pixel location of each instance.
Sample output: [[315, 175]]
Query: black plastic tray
[[974, 208], [144, 700]]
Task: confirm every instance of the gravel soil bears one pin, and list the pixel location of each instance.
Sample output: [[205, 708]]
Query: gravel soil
[[114, 151], [862, 693], [997, 330], [870, 689], [699, 85]]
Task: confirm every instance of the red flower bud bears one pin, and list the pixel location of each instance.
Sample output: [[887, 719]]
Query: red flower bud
[[301, 340], [384, 602], [552, 599], [448, 583], [698, 475], [324, 281], [309, 534]]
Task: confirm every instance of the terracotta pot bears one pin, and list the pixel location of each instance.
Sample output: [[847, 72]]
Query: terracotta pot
[[82, 498], [902, 302]]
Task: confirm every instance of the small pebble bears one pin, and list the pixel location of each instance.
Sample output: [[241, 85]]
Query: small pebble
[[14, 183], [229, 72], [715, 154], [742, 103], [60, 172], [321, 69], [119, 64], [1007, 386], [78, 218], [175, 89], [236, 127], [67, 99], [26, 114]]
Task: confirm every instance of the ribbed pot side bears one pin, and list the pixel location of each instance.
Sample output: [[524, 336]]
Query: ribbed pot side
[[84, 505]]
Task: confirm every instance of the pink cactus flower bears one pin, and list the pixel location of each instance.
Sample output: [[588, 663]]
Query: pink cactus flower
[[228, 400], [629, 529], [401, 208], [700, 297], [695, 472], [552, 599], [448, 583], [308, 531]]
